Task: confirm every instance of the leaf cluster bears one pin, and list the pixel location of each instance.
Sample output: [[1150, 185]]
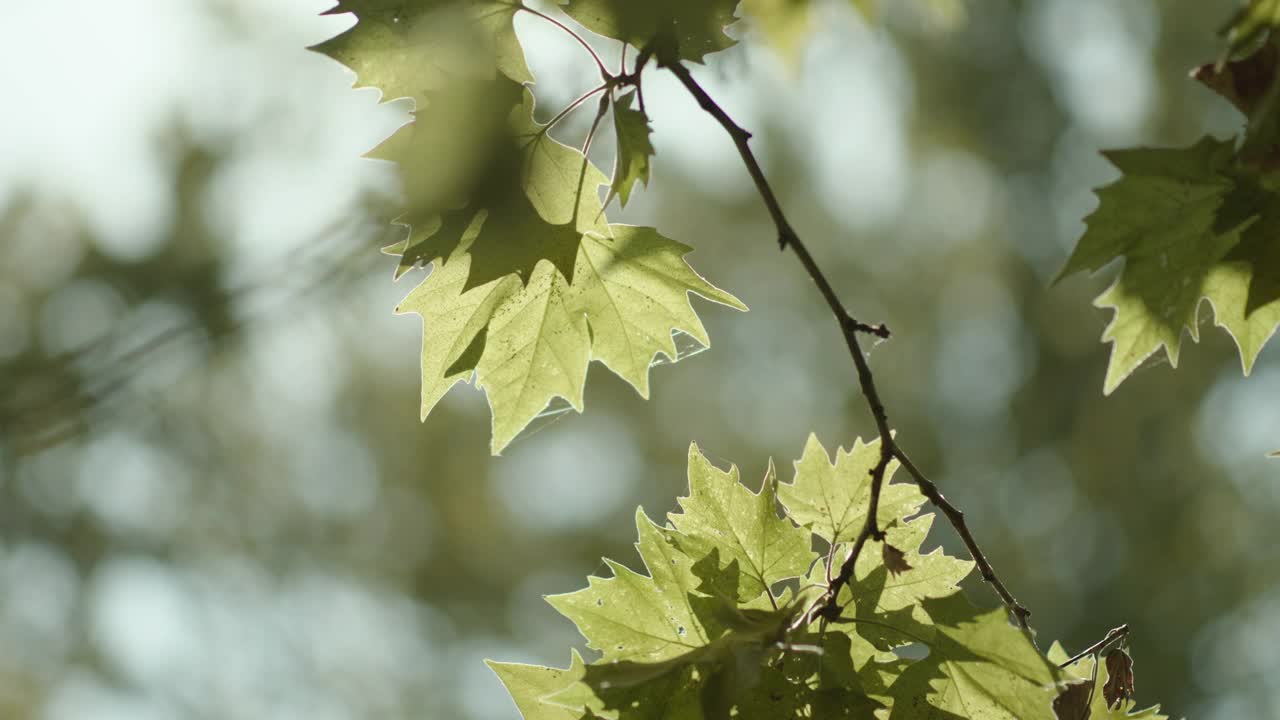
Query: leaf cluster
[[530, 280], [1199, 223], [710, 629]]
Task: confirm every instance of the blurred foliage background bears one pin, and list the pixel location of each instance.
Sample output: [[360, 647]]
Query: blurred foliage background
[[216, 500]]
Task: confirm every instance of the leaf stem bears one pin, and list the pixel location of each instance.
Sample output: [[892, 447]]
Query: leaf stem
[[827, 605], [604, 72], [571, 107], [1113, 635], [586, 148]]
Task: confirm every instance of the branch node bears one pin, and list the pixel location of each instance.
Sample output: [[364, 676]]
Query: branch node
[[881, 330]]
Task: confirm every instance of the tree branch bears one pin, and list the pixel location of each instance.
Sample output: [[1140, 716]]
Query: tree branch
[[827, 605], [1112, 636]]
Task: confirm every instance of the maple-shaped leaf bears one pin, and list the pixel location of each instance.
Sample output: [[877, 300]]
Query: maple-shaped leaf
[[877, 591], [455, 323], [1165, 217], [632, 128], [477, 171], [669, 640], [480, 174], [720, 679], [832, 498], [529, 684], [931, 575], [406, 49], [537, 348], [627, 691], [491, 199], [530, 344], [633, 286], [721, 514], [1245, 286], [1098, 708], [979, 666], [644, 618], [688, 29]]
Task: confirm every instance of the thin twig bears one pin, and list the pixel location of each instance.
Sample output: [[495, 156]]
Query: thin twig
[[586, 148], [571, 107], [827, 605], [956, 516], [604, 72], [1113, 635]]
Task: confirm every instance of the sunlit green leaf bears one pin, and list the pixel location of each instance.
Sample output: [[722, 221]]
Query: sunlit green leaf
[[634, 148], [633, 287], [1163, 216], [643, 618], [407, 49], [721, 514], [537, 349], [691, 29], [979, 666], [529, 684], [491, 197], [832, 498], [455, 323]]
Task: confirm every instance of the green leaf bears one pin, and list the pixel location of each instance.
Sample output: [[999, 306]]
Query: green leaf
[[832, 498], [643, 618], [932, 575], [979, 666], [406, 49], [1164, 217], [634, 289], [531, 344], [710, 681], [537, 349], [528, 684], [454, 323], [691, 30], [525, 196], [697, 638], [626, 691], [634, 148], [1098, 710], [721, 514], [686, 637], [1245, 286], [491, 199]]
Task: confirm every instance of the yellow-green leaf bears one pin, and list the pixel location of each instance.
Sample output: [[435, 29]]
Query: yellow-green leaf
[[832, 498], [721, 514], [634, 289]]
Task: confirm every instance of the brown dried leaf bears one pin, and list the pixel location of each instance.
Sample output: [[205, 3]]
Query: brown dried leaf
[[1120, 677], [895, 561], [1243, 82], [1073, 702]]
